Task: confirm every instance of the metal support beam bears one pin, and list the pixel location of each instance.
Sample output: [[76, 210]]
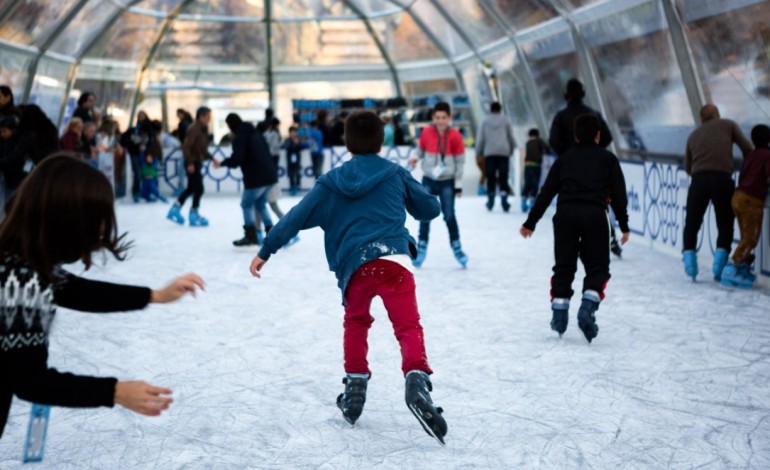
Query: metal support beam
[[96, 39], [685, 59], [380, 46], [153, 52], [43, 48], [269, 53], [529, 78]]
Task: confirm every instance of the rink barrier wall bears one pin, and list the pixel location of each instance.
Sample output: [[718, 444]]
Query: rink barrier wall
[[657, 207]]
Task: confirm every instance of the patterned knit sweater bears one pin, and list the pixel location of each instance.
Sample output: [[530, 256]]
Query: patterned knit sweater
[[27, 307]]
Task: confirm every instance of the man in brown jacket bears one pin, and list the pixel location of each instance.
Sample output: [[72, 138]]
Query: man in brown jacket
[[195, 150], [709, 161]]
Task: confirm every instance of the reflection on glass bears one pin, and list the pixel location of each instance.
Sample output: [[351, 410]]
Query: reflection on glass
[[13, 69], [49, 85], [475, 22], [193, 42], [84, 27], [732, 47], [403, 39], [128, 39], [31, 21], [324, 43], [522, 14], [440, 28], [553, 62], [310, 9], [513, 96], [640, 78]]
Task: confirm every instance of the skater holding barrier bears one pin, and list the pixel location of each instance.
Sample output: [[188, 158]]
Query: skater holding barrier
[[361, 206], [585, 178], [64, 213]]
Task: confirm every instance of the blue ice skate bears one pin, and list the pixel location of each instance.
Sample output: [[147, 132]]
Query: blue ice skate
[[461, 257], [587, 314], [417, 395], [422, 252], [720, 261], [351, 402], [560, 318], [737, 276], [524, 205], [690, 259], [482, 191], [196, 220], [175, 214]]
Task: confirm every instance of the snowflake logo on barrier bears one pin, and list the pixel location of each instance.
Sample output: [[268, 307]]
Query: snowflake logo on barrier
[[661, 205]]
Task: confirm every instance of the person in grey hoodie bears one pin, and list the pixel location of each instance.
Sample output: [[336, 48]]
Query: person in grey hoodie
[[496, 144]]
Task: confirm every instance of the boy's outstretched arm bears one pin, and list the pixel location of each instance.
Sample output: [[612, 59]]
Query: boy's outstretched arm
[[419, 203], [550, 189], [619, 198], [307, 214]]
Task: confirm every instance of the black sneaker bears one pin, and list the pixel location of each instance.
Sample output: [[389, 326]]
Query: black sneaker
[[351, 403], [418, 388], [587, 315]]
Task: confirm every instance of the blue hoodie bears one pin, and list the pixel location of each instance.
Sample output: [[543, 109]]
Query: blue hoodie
[[360, 207]]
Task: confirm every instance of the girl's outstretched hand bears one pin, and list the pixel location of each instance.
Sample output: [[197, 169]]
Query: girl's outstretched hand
[[179, 287], [141, 397], [525, 232], [256, 267]]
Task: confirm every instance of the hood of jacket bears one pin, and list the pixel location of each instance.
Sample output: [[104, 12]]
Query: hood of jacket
[[359, 176]]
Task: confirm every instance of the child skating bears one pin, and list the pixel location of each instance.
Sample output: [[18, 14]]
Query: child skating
[[749, 206], [361, 206], [585, 178]]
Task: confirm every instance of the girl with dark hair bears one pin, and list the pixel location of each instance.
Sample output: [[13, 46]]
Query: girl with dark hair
[[64, 213], [7, 105], [85, 109]]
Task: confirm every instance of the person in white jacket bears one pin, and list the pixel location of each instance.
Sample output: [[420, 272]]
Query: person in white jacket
[[496, 144]]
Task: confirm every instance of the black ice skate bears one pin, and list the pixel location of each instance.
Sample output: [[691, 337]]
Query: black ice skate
[[587, 315], [351, 403], [615, 248], [560, 318], [418, 388], [249, 240]]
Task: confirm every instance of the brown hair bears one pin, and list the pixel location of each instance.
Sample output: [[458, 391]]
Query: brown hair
[[442, 106], [63, 212], [364, 133]]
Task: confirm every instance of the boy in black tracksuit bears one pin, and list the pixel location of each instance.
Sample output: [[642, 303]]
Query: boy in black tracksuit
[[586, 178]]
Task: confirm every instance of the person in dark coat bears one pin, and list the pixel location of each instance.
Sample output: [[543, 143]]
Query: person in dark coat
[[7, 105], [562, 138], [38, 138], [252, 154]]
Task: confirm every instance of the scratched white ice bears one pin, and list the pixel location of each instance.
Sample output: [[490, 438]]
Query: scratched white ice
[[678, 376]]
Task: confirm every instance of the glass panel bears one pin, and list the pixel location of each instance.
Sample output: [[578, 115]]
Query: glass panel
[[480, 100], [553, 62], [522, 14], [732, 49], [84, 27], [162, 6], [440, 28], [580, 3], [427, 87], [309, 9], [404, 40], [373, 7], [641, 78], [475, 22], [31, 21], [49, 86], [324, 43], [513, 96], [129, 39], [239, 8], [13, 70], [194, 42]]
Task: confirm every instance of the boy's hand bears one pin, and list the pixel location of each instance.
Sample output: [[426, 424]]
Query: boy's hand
[[179, 287], [525, 232], [256, 267], [216, 163], [625, 237]]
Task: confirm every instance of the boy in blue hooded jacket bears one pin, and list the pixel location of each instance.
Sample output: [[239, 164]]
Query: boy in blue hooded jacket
[[361, 206]]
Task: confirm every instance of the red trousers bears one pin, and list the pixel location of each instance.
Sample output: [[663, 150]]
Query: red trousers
[[395, 286]]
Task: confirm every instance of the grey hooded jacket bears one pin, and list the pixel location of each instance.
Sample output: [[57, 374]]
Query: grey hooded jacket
[[495, 137]]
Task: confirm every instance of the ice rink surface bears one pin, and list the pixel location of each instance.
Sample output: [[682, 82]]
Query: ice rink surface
[[677, 378]]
